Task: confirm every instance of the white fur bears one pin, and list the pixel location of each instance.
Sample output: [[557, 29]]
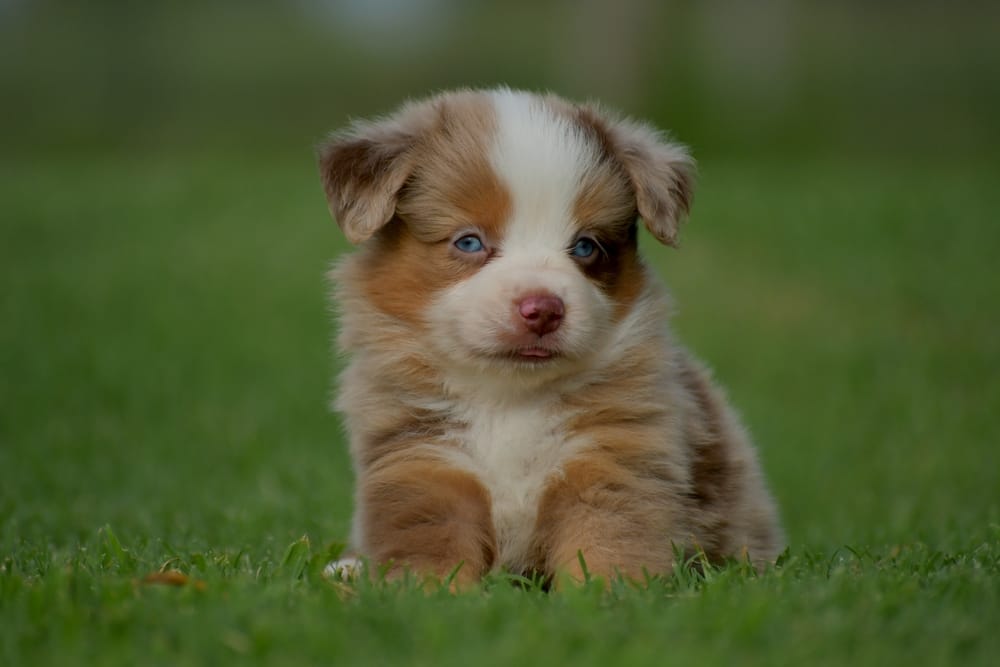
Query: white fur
[[513, 446], [542, 160], [514, 439], [344, 569]]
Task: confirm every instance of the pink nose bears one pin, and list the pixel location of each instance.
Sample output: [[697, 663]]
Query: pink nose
[[541, 314]]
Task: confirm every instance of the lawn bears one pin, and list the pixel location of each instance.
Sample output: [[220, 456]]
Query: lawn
[[165, 371]]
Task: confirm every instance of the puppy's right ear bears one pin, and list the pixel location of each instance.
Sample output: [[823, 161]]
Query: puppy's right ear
[[364, 167]]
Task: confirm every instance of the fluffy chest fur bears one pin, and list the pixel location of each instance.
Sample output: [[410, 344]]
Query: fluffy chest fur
[[513, 449]]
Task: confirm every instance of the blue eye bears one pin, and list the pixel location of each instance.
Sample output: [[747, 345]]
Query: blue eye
[[469, 243], [583, 248]]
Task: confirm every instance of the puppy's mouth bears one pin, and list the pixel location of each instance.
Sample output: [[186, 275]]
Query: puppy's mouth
[[523, 350], [532, 355], [535, 353]]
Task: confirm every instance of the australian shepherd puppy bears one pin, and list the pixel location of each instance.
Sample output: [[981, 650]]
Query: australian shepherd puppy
[[514, 397]]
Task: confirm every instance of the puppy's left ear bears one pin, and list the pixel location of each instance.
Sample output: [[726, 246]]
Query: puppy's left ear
[[661, 173]]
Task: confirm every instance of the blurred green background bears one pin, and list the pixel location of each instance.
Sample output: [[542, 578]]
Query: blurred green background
[[778, 76], [164, 354]]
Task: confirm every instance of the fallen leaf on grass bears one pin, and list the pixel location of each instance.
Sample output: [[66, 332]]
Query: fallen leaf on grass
[[173, 578]]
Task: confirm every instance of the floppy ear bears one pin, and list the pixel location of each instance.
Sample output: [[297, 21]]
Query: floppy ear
[[661, 174], [364, 167]]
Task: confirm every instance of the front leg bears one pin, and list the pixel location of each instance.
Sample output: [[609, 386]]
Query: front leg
[[622, 522], [428, 517]]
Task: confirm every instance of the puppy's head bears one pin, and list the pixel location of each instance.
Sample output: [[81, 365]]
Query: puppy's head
[[500, 226]]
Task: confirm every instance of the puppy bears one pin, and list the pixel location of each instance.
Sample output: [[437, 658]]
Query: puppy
[[514, 397]]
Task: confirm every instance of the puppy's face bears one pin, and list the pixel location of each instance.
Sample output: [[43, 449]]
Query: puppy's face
[[501, 226]]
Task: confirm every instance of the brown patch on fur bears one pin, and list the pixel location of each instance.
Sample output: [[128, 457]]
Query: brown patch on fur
[[364, 167], [407, 428], [605, 207], [449, 190], [661, 173], [629, 280], [427, 163], [616, 268], [731, 511], [401, 273], [454, 186], [635, 166], [619, 521], [427, 517], [712, 474]]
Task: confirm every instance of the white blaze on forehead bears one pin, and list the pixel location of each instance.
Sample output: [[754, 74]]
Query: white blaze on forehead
[[542, 157]]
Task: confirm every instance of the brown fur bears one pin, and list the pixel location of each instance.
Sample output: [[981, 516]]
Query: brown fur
[[661, 176], [439, 518], [663, 463], [449, 185]]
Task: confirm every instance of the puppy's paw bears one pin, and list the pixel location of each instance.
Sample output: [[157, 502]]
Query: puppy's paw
[[343, 569]]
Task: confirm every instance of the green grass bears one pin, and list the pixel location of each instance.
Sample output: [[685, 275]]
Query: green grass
[[165, 370]]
